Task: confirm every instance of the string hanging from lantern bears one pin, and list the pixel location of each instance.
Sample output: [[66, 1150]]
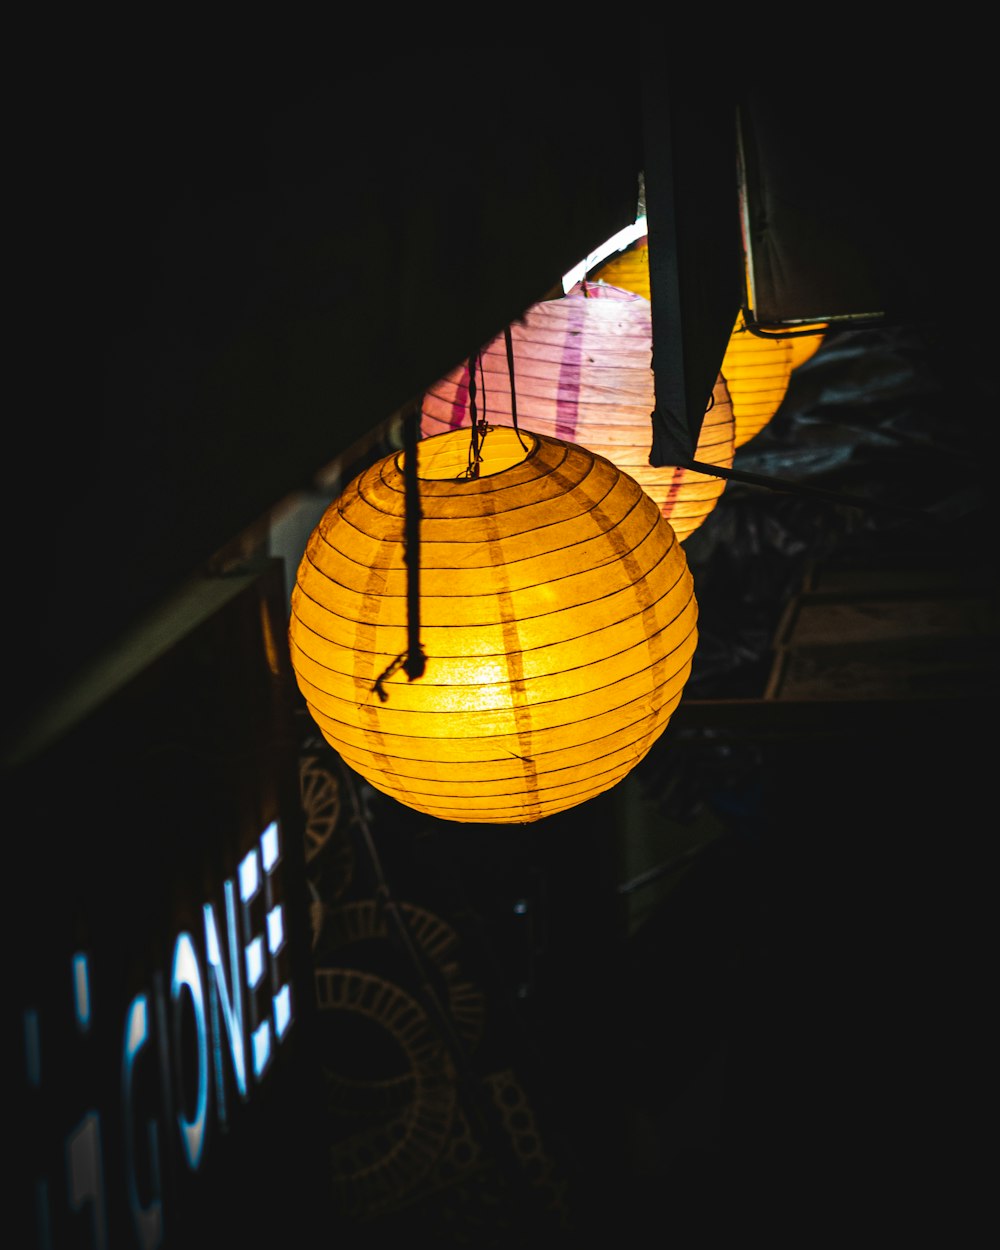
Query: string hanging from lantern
[[475, 432], [508, 339], [479, 426], [415, 658], [412, 661]]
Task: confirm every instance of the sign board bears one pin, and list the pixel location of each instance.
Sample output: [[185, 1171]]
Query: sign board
[[158, 939]]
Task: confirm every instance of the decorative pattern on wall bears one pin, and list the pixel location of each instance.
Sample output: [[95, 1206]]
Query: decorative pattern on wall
[[428, 1126]]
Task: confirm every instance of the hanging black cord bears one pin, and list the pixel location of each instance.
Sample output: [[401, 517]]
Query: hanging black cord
[[415, 659], [413, 662], [474, 454], [509, 341]]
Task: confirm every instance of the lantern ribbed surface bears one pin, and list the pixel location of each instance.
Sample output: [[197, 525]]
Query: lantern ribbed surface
[[557, 618], [629, 270], [582, 373], [757, 370]]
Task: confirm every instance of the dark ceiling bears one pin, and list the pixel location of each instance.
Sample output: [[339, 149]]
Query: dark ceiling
[[233, 281]]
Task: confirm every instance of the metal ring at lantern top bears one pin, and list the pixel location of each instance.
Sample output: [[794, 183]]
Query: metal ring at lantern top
[[557, 617]]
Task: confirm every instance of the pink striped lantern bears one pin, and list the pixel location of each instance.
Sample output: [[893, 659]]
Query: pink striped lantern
[[582, 373]]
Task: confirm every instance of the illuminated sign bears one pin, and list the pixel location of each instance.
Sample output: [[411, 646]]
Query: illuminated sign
[[162, 953], [232, 989]]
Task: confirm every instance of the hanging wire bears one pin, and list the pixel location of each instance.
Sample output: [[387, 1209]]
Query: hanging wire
[[509, 341], [479, 427], [475, 456], [385, 674], [413, 662]]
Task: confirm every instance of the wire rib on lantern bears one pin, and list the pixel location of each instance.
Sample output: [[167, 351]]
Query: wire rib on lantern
[[558, 625], [578, 368], [757, 371]]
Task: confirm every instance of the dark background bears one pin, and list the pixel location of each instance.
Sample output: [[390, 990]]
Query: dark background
[[226, 287]]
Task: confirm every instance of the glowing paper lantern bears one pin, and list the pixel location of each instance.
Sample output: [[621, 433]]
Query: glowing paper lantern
[[557, 619], [757, 370], [629, 270], [582, 373]]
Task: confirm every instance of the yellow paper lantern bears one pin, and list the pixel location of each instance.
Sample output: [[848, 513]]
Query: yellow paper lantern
[[629, 270], [557, 620], [582, 373], [757, 370]]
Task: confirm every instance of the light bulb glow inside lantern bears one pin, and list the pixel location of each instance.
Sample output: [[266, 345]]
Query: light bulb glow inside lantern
[[582, 373], [557, 618]]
